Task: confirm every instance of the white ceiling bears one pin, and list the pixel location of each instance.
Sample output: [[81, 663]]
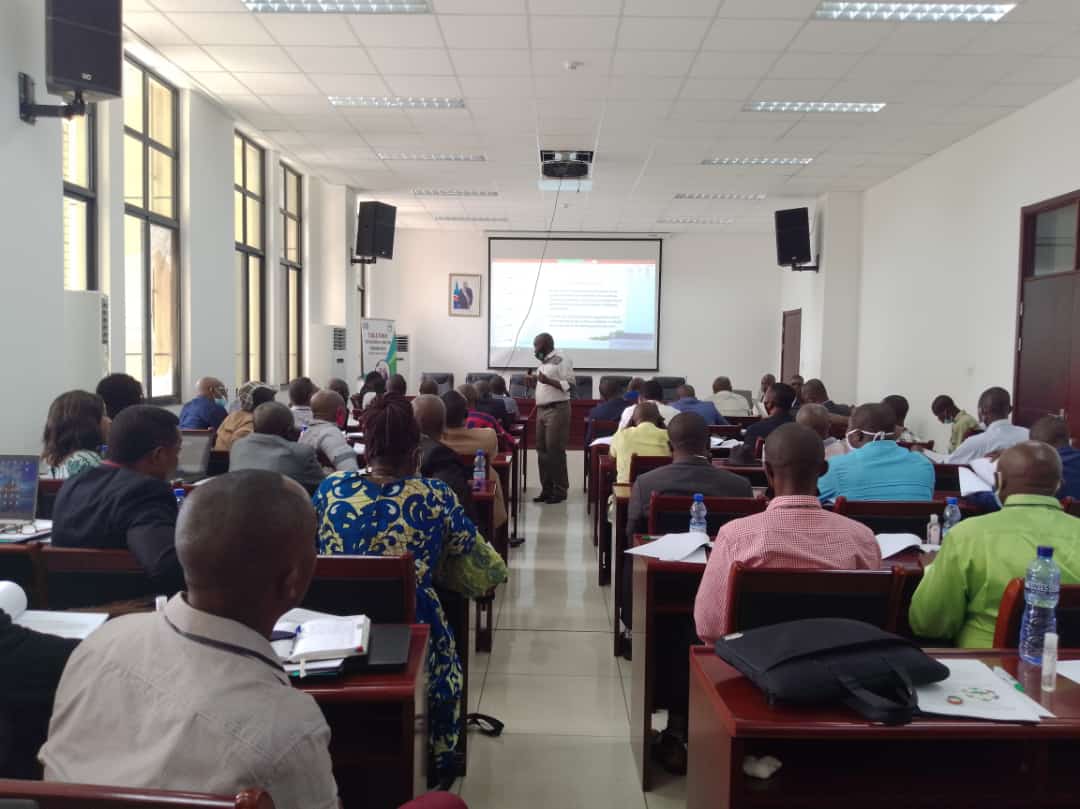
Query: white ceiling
[[661, 88]]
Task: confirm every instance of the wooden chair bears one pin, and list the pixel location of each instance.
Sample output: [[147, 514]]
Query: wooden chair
[[1011, 614], [595, 428], [891, 517], [90, 577], [917, 445], [47, 491], [1071, 506], [640, 464], [53, 795], [761, 596], [21, 563], [380, 587], [669, 513], [947, 478], [759, 448], [743, 421], [725, 431], [219, 463], [755, 474]]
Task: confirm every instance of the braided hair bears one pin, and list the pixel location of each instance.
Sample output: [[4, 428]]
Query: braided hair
[[391, 434]]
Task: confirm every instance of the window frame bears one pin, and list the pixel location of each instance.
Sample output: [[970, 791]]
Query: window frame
[[289, 266], [87, 195], [148, 218], [250, 253]]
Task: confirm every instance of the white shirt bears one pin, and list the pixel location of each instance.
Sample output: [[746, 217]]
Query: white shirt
[[999, 435], [558, 368], [667, 411], [730, 403]]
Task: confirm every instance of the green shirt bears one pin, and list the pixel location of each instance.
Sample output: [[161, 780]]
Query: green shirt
[[960, 592], [961, 426]]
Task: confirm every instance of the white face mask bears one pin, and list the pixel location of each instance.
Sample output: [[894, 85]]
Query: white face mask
[[881, 435]]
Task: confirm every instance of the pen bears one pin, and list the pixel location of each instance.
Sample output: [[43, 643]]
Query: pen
[[1004, 675]]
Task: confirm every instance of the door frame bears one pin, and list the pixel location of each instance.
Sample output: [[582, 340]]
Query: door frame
[[783, 342]]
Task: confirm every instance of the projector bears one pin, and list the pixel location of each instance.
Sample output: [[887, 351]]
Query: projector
[[565, 164]]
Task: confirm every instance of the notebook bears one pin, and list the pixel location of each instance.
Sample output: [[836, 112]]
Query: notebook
[[18, 490], [318, 636], [77, 625], [194, 455]]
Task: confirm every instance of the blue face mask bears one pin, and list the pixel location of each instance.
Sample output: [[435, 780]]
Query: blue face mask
[[222, 402]]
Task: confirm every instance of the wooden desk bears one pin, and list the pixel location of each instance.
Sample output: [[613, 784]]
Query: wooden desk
[[579, 409], [755, 473], [503, 464], [605, 478], [484, 499], [596, 455], [617, 563], [379, 739], [520, 430], [832, 757]]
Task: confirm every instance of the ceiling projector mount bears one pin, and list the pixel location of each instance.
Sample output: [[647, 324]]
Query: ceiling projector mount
[[565, 170]]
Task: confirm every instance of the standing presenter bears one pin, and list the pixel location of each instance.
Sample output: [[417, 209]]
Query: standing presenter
[[553, 380]]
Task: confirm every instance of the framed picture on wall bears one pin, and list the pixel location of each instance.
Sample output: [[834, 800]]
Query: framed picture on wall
[[464, 295]]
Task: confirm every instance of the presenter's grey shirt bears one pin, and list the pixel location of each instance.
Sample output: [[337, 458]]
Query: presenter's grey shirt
[[185, 700], [276, 454]]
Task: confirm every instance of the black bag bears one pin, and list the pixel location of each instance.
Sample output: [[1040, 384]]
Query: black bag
[[826, 660]]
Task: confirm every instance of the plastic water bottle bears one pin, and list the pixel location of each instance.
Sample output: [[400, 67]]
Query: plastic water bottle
[[178, 493], [952, 516], [1041, 587], [479, 471], [697, 515], [933, 531]]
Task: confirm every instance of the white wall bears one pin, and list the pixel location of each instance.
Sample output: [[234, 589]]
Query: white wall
[[719, 310], [31, 235], [937, 309]]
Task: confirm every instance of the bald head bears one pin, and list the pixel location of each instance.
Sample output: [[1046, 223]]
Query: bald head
[[1031, 467], [647, 412], [273, 418], [815, 417], [210, 387], [429, 388], [794, 459], [994, 405], [1052, 430], [327, 405], [253, 521], [721, 383], [396, 384], [468, 392], [874, 418], [688, 435], [430, 414]]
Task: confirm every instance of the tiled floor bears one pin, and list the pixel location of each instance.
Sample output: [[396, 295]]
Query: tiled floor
[[552, 679]]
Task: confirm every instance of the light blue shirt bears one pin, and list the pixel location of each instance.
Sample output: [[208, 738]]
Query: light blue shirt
[[707, 410], [880, 470], [999, 435]]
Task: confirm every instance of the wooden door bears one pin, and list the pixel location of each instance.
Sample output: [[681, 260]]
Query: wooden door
[[790, 344]]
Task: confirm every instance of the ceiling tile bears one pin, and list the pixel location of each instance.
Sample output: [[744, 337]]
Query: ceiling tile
[[396, 30], [920, 39], [253, 59], [1048, 70], [424, 86], [891, 66], [331, 60], [819, 36], [727, 89], [977, 67], [777, 9], [222, 29], [495, 86], [277, 84], [792, 90], [553, 62], [861, 89], [236, 6], [297, 105], [326, 30], [715, 64], [156, 29], [469, 31], [944, 92], [812, 66], [189, 58], [333, 84], [558, 33], [977, 116], [244, 103], [750, 35], [287, 137], [575, 6], [497, 62], [651, 63], [570, 86], [671, 8], [673, 33], [221, 82], [1012, 95], [480, 6], [412, 61], [378, 120], [1032, 39], [1055, 11], [331, 122], [643, 87]]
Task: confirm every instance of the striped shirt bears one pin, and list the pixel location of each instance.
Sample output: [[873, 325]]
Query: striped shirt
[[793, 532]]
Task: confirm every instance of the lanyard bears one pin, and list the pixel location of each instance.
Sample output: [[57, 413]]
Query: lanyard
[[223, 646]]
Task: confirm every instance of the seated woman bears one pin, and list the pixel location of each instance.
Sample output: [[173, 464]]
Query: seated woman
[[75, 431], [241, 422], [391, 511]]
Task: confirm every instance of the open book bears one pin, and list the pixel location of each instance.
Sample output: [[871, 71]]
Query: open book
[[76, 625], [892, 544], [676, 548], [973, 690], [318, 636]]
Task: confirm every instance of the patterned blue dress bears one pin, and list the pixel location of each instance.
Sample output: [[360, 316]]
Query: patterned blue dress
[[423, 517]]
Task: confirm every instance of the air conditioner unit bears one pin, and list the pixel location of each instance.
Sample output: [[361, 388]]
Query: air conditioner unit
[[86, 338], [326, 359], [403, 364]]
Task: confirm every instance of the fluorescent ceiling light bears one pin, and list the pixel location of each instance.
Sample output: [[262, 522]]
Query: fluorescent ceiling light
[[451, 157], [724, 195], [914, 12], [338, 6], [814, 106], [693, 220], [757, 161], [452, 192], [398, 102], [471, 219]]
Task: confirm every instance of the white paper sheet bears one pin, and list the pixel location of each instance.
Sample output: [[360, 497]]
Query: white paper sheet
[[1069, 669], [716, 442], [936, 457], [358, 449], [972, 690], [675, 548], [602, 441], [985, 469], [892, 544], [970, 483], [77, 625]]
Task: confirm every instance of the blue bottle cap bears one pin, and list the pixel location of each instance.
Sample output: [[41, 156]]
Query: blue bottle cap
[[1046, 552], [698, 498], [951, 501], [479, 452], [178, 491]]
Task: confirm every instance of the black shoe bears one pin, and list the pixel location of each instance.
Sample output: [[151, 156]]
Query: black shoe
[[542, 497], [556, 498], [669, 752], [517, 542]]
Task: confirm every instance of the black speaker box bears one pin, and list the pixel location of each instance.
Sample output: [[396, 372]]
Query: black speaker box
[[84, 48], [793, 236], [375, 230]]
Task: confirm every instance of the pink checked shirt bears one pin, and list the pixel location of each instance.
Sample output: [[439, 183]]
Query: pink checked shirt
[[793, 532]]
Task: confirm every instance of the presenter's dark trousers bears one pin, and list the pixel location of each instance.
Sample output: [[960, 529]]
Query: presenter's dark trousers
[[552, 436]]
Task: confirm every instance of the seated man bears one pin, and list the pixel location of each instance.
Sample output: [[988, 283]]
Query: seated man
[[429, 388], [813, 392], [946, 411], [767, 381], [127, 502], [486, 403], [687, 402], [779, 400], [340, 387], [727, 401], [241, 422], [467, 440], [437, 460], [610, 409], [1000, 433], [1054, 430], [301, 390], [477, 418], [498, 392], [899, 406], [325, 435], [817, 419], [397, 385], [651, 391], [273, 448], [877, 468], [633, 391], [796, 383], [119, 391], [794, 531], [207, 410], [193, 697], [961, 590], [646, 436]]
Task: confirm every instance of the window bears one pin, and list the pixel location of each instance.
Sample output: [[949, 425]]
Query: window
[[151, 232], [79, 149], [248, 198], [292, 260]]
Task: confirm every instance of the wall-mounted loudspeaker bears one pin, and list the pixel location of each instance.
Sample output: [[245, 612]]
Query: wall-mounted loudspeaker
[[793, 237], [375, 230], [83, 48]]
